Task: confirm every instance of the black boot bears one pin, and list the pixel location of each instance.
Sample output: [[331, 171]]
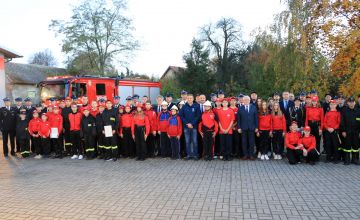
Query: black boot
[[347, 158], [355, 158]]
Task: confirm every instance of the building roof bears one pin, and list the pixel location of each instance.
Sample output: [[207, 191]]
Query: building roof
[[8, 53], [175, 69], [30, 73]]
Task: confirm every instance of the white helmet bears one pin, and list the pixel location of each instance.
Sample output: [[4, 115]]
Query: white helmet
[[207, 103], [174, 108], [182, 103], [164, 103]]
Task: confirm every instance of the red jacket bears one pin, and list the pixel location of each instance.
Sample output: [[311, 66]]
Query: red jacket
[[308, 142], [235, 109], [208, 120], [140, 121], [315, 114], [278, 122], [56, 121], [126, 121], [94, 112], [265, 122], [226, 117], [75, 120], [44, 129], [332, 120], [175, 126], [163, 121], [292, 139], [151, 114], [34, 126]]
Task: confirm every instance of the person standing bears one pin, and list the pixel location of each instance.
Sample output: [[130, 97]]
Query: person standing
[[265, 130], [150, 141], [44, 134], [66, 126], [278, 131], [332, 122], [88, 132], [247, 121], [110, 118], [174, 133], [315, 119], [99, 131], [125, 134], [75, 121], [226, 118], [163, 124], [190, 115], [56, 122], [7, 126], [285, 105], [33, 128], [22, 134], [140, 129]]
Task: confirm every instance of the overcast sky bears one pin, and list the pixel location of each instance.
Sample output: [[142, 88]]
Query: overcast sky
[[164, 27]]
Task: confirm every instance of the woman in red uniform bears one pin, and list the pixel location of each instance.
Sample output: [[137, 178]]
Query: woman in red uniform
[[308, 146], [44, 133], [278, 130], [291, 143], [265, 130], [226, 119], [140, 130], [235, 135], [315, 119], [217, 107], [75, 120], [34, 126], [126, 122], [150, 142], [208, 127], [332, 121]]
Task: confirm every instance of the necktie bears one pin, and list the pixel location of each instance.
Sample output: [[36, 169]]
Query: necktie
[[285, 104], [202, 108], [247, 108]]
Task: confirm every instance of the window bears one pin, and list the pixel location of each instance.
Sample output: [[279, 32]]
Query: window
[[100, 89], [79, 89]]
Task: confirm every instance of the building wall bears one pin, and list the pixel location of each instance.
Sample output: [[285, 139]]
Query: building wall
[[18, 90], [2, 79]]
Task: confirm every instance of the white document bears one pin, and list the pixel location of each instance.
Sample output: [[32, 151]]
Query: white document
[[108, 131], [54, 133]]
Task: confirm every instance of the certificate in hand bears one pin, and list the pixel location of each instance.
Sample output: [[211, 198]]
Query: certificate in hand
[[108, 131], [54, 133]]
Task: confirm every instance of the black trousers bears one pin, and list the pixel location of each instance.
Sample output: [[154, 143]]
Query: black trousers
[[217, 145], [37, 145], [150, 143], [315, 131], [45, 146], [23, 145], [56, 146], [175, 147], [67, 142], [225, 144], [278, 141], [165, 145], [264, 141], [101, 145], [128, 143], [294, 156], [208, 142], [351, 142], [89, 146], [235, 143], [248, 143], [111, 148], [331, 145], [76, 143], [6, 135], [140, 142], [200, 145]]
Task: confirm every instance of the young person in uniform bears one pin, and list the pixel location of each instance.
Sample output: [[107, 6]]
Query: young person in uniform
[[332, 122], [278, 131], [140, 130], [34, 126], [226, 117], [88, 133], [291, 143], [163, 124], [315, 119], [66, 126], [126, 134], [307, 144], [22, 134], [150, 141], [265, 130], [56, 122], [75, 121], [174, 132], [110, 118], [44, 134], [99, 131]]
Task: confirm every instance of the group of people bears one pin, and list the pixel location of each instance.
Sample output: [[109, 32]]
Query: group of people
[[245, 127]]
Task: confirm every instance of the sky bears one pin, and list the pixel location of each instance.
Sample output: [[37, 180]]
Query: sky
[[164, 28]]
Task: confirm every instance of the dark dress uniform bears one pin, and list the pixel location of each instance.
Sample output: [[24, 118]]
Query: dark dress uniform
[[66, 125], [298, 114], [7, 125], [88, 134], [23, 137], [109, 117], [100, 136]]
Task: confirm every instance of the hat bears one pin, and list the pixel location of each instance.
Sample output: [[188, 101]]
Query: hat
[[116, 97], [276, 94], [333, 101], [226, 99], [6, 99], [27, 99], [302, 93], [351, 99], [169, 94], [68, 99], [52, 99], [122, 107], [136, 96], [232, 97], [129, 98], [182, 103], [212, 94], [183, 92], [241, 95], [313, 91], [101, 100], [207, 103], [38, 106], [220, 92], [307, 128], [297, 98], [314, 98], [174, 108], [18, 99], [164, 103]]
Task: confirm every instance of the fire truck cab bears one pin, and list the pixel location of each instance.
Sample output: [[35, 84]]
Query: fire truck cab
[[97, 87]]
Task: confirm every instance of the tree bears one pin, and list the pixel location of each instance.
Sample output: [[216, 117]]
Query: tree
[[197, 77], [44, 58], [99, 30]]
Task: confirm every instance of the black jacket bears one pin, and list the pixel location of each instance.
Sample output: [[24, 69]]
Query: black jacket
[[87, 126], [297, 115], [350, 120], [65, 114], [22, 129], [8, 119], [109, 117]]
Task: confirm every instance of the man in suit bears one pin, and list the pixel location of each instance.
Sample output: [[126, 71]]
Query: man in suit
[[169, 99], [157, 106], [7, 126], [285, 105], [247, 119]]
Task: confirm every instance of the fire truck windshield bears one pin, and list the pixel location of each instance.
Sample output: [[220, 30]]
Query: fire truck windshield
[[54, 90]]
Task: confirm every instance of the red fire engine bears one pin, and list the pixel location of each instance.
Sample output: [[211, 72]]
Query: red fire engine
[[97, 87]]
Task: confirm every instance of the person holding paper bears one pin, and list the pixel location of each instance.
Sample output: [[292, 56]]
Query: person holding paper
[[75, 120], [110, 121], [56, 123], [140, 130], [88, 132]]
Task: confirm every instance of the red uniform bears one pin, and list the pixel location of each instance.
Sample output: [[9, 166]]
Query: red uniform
[[163, 121], [75, 119], [226, 117], [292, 139], [265, 122], [126, 121], [175, 126], [235, 109], [56, 121], [314, 114], [34, 126], [94, 112], [309, 143], [151, 114], [208, 120], [140, 120], [278, 122], [332, 120], [44, 129]]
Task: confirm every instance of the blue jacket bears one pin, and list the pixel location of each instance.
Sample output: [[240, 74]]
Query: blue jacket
[[190, 114], [247, 120]]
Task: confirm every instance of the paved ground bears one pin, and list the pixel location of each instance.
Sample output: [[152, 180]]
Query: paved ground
[[166, 189]]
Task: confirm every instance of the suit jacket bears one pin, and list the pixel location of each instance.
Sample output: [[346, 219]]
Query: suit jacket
[[155, 108], [286, 111], [247, 120]]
